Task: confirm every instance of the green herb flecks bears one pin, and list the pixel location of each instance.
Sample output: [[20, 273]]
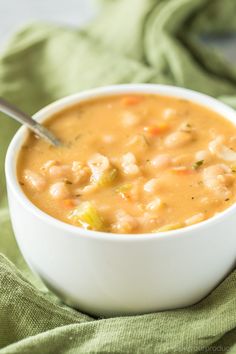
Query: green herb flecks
[[197, 164], [67, 181]]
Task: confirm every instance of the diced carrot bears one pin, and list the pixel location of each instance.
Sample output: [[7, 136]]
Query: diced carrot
[[182, 171], [131, 100], [68, 203], [156, 129]]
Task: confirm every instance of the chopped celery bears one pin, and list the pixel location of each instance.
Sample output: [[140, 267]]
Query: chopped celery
[[87, 217], [197, 164], [105, 178], [124, 189]]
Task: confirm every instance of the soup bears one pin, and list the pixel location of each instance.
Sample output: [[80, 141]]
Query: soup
[[132, 164]]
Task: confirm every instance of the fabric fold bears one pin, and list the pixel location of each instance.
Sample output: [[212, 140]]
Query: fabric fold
[[39, 323], [146, 41]]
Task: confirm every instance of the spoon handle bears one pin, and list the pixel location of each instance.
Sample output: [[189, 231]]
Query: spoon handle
[[12, 111]]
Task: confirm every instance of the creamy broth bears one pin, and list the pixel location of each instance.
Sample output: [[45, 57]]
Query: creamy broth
[[132, 164]]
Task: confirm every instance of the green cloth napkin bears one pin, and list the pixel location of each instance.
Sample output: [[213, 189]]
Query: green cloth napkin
[[131, 41]]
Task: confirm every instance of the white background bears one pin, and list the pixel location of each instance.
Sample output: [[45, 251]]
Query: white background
[[16, 13]]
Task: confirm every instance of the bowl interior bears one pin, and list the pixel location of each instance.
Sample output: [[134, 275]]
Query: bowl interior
[[19, 138]]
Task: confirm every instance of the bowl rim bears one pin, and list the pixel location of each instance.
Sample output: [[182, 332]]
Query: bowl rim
[[63, 103]]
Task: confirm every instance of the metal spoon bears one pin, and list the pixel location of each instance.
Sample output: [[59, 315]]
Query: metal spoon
[[25, 119]]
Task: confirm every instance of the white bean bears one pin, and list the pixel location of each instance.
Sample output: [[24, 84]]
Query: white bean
[[178, 139], [125, 223], [169, 113], [222, 151], [131, 169], [129, 158], [203, 155], [58, 171], [218, 178], [130, 119], [155, 204], [98, 163], [161, 161], [80, 173], [35, 180], [59, 190], [151, 186], [128, 163], [48, 164]]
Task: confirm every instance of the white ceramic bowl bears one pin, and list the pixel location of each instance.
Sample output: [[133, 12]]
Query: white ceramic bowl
[[111, 274]]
